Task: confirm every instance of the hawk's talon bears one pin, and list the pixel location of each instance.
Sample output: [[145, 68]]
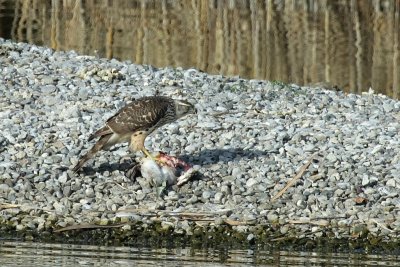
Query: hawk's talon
[[150, 156]]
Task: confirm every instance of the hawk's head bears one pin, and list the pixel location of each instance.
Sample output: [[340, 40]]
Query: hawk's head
[[183, 108]]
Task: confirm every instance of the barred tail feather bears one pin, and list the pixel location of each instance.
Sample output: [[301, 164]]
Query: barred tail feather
[[101, 132], [101, 144]]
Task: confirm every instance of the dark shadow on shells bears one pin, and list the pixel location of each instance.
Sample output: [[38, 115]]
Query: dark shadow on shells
[[124, 166], [202, 158], [212, 156]]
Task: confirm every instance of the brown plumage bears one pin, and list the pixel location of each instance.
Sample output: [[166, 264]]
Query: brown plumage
[[134, 122]]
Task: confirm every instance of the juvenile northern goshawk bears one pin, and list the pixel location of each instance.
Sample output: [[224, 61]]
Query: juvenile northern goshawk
[[134, 122]]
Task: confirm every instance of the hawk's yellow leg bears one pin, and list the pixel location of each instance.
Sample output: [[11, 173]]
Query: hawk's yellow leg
[[147, 153], [137, 144]]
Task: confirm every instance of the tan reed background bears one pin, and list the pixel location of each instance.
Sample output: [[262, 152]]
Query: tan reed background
[[353, 44]]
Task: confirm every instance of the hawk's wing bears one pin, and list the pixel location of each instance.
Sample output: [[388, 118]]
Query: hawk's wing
[[141, 114], [100, 132]]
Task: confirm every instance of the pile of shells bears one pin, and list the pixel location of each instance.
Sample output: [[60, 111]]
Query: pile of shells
[[249, 139]]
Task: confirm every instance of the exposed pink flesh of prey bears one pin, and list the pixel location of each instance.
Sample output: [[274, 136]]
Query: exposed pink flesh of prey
[[172, 162]]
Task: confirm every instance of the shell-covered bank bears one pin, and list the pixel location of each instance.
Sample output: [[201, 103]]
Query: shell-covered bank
[[276, 163]]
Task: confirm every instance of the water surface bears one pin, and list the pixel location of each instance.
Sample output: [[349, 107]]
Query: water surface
[[19, 254]]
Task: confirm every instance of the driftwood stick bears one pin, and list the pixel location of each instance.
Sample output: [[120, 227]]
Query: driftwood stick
[[8, 206], [295, 178], [152, 212], [87, 226], [311, 222], [235, 223]]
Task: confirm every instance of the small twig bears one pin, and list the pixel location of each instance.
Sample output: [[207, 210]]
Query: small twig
[[149, 212], [300, 221], [193, 214], [311, 222], [198, 219], [296, 177], [236, 223], [222, 113], [186, 214], [9, 206], [382, 225], [88, 226], [120, 186]]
